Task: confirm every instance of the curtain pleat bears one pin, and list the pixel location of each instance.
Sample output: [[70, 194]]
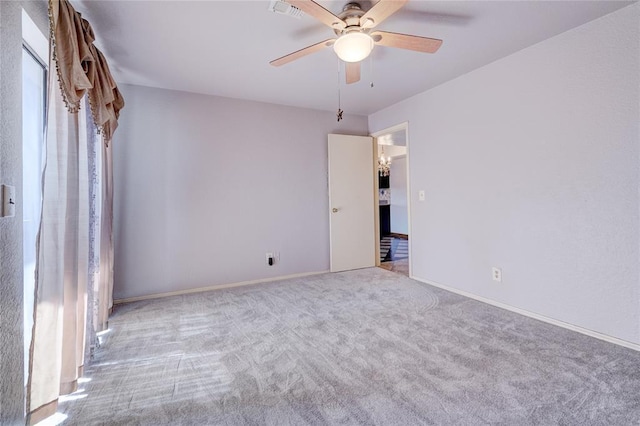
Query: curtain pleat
[[105, 288], [74, 270], [60, 282]]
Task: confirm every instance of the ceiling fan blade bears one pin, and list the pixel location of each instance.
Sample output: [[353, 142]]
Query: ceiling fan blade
[[405, 41], [320, 13], [380, 11], [352, 70], [302, 52]]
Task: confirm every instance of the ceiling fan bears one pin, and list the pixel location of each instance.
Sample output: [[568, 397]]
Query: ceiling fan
[[355, 38]]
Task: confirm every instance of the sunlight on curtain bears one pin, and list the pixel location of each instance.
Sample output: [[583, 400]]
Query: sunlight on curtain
[[62, 253], [74, 268]]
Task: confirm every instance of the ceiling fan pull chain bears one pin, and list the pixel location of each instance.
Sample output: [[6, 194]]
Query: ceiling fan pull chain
[[340, 111], [371, 70]]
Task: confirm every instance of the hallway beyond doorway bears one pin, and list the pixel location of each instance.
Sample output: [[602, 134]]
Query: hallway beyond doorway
[[394, 253]]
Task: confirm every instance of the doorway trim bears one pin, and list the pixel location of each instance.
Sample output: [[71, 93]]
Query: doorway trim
[[393, 129]]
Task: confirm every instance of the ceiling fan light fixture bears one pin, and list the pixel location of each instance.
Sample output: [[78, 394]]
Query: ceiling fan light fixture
[[353, 46]]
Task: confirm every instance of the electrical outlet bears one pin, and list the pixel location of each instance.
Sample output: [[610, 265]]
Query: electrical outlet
[[496, 273], [270, 259]]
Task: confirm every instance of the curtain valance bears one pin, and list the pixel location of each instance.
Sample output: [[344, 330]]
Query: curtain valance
[[82, 68]]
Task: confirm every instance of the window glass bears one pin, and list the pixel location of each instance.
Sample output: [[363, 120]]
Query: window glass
[[34, 76]]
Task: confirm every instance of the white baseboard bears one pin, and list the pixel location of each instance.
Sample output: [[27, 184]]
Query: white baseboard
[[533, 315], [214, 287]]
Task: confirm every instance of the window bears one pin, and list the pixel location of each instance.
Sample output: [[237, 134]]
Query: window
[[34, 90]]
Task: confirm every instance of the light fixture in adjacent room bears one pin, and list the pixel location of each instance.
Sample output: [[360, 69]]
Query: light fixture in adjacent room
[[384, 164], [353, 46]]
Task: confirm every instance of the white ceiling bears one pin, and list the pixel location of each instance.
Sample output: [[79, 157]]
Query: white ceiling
[[224, 47]]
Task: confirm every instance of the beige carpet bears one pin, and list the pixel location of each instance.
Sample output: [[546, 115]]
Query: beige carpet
[[360, 347]]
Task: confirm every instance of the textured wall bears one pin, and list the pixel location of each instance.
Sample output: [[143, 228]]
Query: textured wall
[[11, 310], [531, 164], [205, 186]]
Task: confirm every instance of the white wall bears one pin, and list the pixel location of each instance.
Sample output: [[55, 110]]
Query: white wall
[[391, 150], [398, 188], [205, 186], [531, 164]]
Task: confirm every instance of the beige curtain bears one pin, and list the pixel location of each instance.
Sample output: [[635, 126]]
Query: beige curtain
[[100, 238], [58, 342], [74, 271], [104, 286]]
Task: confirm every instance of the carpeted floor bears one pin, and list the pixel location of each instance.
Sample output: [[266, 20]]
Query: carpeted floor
[[398, 266], [360, 347]]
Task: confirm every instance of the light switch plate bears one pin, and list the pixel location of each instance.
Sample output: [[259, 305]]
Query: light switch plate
[[421, 195], [8, 201]]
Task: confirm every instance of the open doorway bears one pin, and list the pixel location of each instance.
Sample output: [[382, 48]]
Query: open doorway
[[393, 200]]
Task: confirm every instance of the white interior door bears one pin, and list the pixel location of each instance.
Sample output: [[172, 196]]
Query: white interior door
[[351, 202]]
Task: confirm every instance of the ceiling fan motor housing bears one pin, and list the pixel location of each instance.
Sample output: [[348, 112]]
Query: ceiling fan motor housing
[[351, 14]]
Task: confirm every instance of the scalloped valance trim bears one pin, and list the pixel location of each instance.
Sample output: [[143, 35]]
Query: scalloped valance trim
[[81, 68]]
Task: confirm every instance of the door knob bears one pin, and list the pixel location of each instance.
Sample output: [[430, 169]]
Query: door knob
[[334, 210]]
